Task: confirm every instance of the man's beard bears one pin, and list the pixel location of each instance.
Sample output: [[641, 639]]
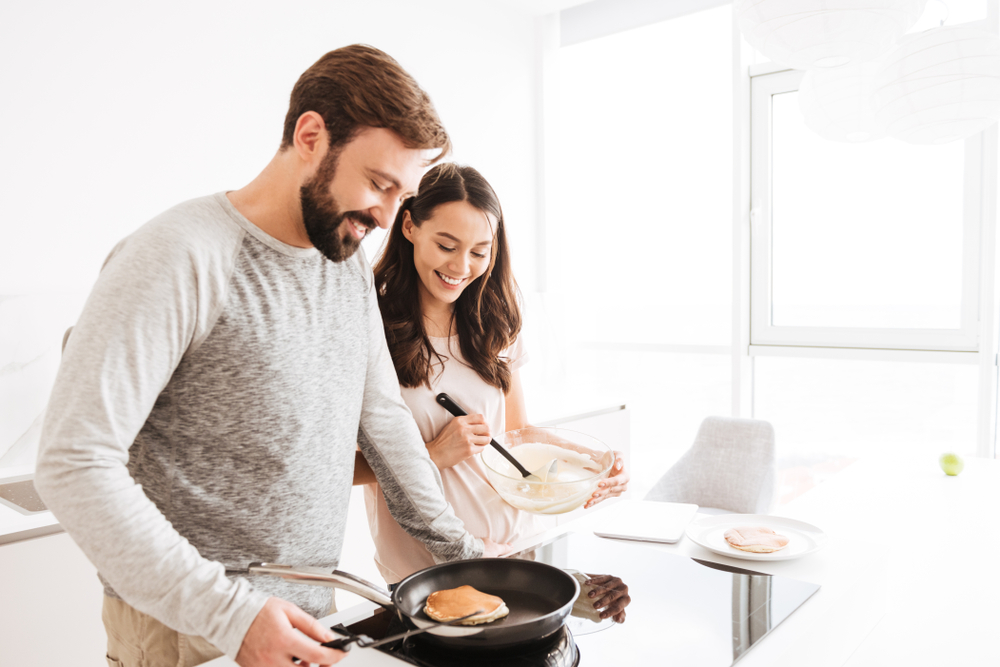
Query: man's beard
[[324, 220]]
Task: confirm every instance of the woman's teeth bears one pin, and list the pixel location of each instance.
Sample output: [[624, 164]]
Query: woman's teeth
[[448, 279]]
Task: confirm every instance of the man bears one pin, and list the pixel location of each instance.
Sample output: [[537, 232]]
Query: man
[[228, 360]]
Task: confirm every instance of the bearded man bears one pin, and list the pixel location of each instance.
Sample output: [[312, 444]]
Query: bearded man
[[228, 361]]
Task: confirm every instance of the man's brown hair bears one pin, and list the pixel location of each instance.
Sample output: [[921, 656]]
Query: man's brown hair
[[360, 86]]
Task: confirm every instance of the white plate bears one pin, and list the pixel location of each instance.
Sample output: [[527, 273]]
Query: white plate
[[803, 538]]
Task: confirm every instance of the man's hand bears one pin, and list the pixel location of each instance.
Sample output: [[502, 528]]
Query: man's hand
[[274, 638], [461, 438], [493, 549], [615, 485]]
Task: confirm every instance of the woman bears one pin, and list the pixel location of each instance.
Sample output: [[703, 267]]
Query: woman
[[449, 303]]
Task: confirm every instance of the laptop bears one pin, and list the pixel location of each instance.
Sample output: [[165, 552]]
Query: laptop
[[644, 521]]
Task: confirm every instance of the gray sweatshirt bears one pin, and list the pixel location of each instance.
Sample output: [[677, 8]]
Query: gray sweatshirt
[[205, 416]]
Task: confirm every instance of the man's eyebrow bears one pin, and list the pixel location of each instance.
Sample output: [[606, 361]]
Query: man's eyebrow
[[457, 240]]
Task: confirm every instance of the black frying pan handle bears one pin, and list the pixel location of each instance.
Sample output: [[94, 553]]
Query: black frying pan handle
[[451, 406], [341, 644]]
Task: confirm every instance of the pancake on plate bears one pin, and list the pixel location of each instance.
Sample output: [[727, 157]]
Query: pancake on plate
[[447, 605], [755, 539]]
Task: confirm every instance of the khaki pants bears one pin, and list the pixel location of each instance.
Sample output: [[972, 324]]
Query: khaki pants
[[138, 640]]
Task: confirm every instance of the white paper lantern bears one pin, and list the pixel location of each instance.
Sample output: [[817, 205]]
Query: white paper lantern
[[825, 33], [837, 103], [940, 85]]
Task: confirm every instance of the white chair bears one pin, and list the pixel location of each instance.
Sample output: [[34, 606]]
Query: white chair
[[730, 467]]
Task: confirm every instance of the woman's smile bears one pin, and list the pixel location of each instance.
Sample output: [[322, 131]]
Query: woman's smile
[[449, 281]]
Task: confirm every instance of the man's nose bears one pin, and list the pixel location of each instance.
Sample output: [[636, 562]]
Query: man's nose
[[379, 217], [385, 213]]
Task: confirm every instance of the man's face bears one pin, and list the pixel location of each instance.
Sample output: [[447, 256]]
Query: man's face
[[356, 187]]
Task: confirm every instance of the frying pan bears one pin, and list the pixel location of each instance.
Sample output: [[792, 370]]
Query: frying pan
[[539, 597]]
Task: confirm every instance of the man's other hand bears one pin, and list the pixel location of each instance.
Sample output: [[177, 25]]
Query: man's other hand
[[274, 638]]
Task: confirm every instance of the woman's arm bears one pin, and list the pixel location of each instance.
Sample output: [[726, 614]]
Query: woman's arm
[[461, 438], [516, 412], [363, 473]]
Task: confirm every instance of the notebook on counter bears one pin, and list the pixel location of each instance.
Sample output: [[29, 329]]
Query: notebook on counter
[[645, 521]]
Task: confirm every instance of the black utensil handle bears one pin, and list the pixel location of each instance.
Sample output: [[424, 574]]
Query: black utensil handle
[[451, 406], [342, 643]]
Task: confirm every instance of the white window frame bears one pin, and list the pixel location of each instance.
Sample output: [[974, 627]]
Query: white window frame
[[763, 333], [596, 19]]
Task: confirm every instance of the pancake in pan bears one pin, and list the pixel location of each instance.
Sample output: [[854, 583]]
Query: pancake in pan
[[452, 603]]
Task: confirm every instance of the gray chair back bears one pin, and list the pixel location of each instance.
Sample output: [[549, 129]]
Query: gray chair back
[[731, 466]]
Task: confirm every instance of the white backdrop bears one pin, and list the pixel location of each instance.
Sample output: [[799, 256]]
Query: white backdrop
[[115, 111]]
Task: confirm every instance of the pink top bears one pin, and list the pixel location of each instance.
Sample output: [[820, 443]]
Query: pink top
[[398, 555]]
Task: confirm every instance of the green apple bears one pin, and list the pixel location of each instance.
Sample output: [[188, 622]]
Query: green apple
[[951, 463]]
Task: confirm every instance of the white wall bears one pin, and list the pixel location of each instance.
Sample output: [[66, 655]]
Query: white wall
[[111, 112], [114, 111], [50, 609]]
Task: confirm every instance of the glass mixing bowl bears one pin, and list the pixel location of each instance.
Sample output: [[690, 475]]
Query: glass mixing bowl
[[583, 461]]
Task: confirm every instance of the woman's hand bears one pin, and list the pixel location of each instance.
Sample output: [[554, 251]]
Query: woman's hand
[[615, 485], [461, 438], [493, 549], [610, 596]]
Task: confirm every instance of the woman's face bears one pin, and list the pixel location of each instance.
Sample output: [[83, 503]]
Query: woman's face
[[450, 249]]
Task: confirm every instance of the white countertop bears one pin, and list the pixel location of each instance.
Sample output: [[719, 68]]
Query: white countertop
[[825, 630], [908, 573], [941, 539]]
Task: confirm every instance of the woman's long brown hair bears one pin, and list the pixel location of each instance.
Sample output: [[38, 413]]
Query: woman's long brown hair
[[487, 315]]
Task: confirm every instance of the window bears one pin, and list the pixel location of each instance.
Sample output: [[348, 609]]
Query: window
[[825, 409], [871, 245], [871, 319]]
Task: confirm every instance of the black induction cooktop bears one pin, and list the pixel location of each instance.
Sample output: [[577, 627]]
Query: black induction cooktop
[[683, 611]]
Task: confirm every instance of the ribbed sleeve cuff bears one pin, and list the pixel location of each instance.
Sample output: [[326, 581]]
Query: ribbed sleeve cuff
[[230, 640], [445, 552]]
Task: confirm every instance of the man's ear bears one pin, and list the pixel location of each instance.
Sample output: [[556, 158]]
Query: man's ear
[[408, 226], [310, 138]]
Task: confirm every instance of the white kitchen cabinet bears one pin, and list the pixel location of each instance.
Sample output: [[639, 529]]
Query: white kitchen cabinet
[[50, 605]]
